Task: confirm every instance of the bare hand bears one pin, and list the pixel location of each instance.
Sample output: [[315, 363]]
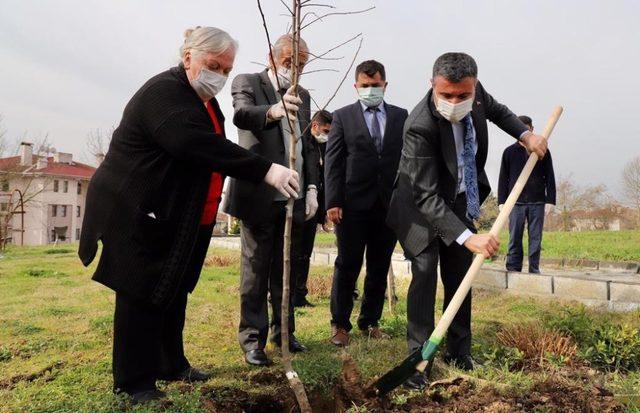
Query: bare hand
[[485, 244], [536, 144], [335, 215]]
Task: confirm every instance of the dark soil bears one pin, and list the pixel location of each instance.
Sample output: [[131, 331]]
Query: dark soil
[[559, 393]]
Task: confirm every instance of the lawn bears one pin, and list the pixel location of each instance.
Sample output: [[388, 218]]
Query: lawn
[[56, 336], [593, 245]]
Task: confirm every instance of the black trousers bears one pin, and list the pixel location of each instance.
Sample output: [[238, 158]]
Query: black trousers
[[261, 273], [454, 260], [309, 230], [147, 342], [357, 231]]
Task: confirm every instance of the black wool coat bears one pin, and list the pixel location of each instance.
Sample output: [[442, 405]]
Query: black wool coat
[[146, 199]]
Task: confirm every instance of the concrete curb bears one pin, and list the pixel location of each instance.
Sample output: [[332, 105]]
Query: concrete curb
[[617, 292]]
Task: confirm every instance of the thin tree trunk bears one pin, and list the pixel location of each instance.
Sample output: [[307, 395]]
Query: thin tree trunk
[[391, 290], [292, 376]]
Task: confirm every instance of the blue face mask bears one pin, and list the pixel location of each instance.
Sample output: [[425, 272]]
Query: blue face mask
[[371, 96]]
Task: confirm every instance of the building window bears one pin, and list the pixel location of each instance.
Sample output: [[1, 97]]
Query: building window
[[79, 188], [5, 185], [63, 210], [65, 186], [77, 234], [56, 186], [54, 210], [53, 235], [78, 211], [4, 207]]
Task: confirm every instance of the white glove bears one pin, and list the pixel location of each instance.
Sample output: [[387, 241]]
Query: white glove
[[311, 203], [285, 180], [277, 111], [548, 209], [500, 207]]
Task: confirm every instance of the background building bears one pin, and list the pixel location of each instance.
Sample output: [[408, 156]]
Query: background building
[[54, 190]]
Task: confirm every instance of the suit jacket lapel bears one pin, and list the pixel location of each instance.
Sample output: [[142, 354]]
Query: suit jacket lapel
[[480, 126], [267, 88]]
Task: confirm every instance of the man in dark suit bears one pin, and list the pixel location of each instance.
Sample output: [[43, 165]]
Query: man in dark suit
[[320, 127], [263, 129], [362, 157], [440, 186], [530, 207]]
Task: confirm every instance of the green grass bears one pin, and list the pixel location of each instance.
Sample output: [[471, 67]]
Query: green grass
[[56, 337], [593, 245]]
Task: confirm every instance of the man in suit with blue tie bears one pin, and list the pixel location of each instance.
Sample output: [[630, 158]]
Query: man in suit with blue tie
[[361, 161], [437, 195]]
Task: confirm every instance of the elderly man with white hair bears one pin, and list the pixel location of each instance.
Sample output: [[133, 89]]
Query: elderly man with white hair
[[153, 203], [263, 129]]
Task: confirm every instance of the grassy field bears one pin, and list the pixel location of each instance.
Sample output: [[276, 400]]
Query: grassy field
[[594, 245], [56, 336]]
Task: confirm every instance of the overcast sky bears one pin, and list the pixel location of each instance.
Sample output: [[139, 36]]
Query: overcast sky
[[70, 66]]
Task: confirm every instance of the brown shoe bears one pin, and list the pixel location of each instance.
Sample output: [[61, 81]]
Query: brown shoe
[[375, 333], [339, 336]]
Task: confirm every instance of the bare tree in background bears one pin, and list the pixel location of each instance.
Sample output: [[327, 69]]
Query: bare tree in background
[[631, 185], [98, 142], [299, 11]]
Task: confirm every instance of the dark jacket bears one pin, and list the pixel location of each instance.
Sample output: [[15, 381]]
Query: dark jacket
[[159, 162], [541, 185], [253, 95], [355, 175], [425, 188]]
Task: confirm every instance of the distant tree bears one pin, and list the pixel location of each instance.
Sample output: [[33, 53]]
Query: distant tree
[[631, 185], [98, 142]]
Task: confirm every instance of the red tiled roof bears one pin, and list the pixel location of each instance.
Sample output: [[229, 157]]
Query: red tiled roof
[[53, 168]]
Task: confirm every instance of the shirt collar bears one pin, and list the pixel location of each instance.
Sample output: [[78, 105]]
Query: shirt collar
[[380, 107]]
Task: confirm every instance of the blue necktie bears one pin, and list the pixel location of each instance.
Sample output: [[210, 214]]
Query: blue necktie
[[376, 134], [470, 172]]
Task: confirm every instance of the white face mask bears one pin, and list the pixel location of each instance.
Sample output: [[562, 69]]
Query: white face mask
[[208, 83], [371, 96], [322, 138], [454, 112], [285, 77]]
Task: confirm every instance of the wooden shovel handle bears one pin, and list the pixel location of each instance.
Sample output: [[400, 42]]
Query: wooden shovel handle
[[472, 272]]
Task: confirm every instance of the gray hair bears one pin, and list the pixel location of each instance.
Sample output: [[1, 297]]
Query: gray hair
[[207, 40], [455, 66], [286, 40]]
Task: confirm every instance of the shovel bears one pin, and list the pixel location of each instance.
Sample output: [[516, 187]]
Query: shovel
[[421, 360]]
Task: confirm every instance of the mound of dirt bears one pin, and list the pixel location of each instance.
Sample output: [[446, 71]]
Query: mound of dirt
[[460, 394]]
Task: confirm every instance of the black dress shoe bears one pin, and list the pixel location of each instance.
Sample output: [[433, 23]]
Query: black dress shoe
[[465, 363], [416, 382], [188, 375], [302, 302], [257, 358], [294, 345]]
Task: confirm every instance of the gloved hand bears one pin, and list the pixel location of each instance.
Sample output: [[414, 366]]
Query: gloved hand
[[311, 203], [285, 180], [277, 111]]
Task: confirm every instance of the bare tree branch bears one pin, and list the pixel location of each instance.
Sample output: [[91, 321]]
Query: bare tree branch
[[344, 13], [321, 55], [319, 70]]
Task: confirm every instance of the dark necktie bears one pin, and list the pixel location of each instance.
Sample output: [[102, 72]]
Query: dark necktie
[[470, 172], [376, 134]]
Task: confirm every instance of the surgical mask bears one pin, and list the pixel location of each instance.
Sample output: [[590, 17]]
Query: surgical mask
[[208, 83], [285, 77], [454, 112], [322, 138], [371, 96]]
